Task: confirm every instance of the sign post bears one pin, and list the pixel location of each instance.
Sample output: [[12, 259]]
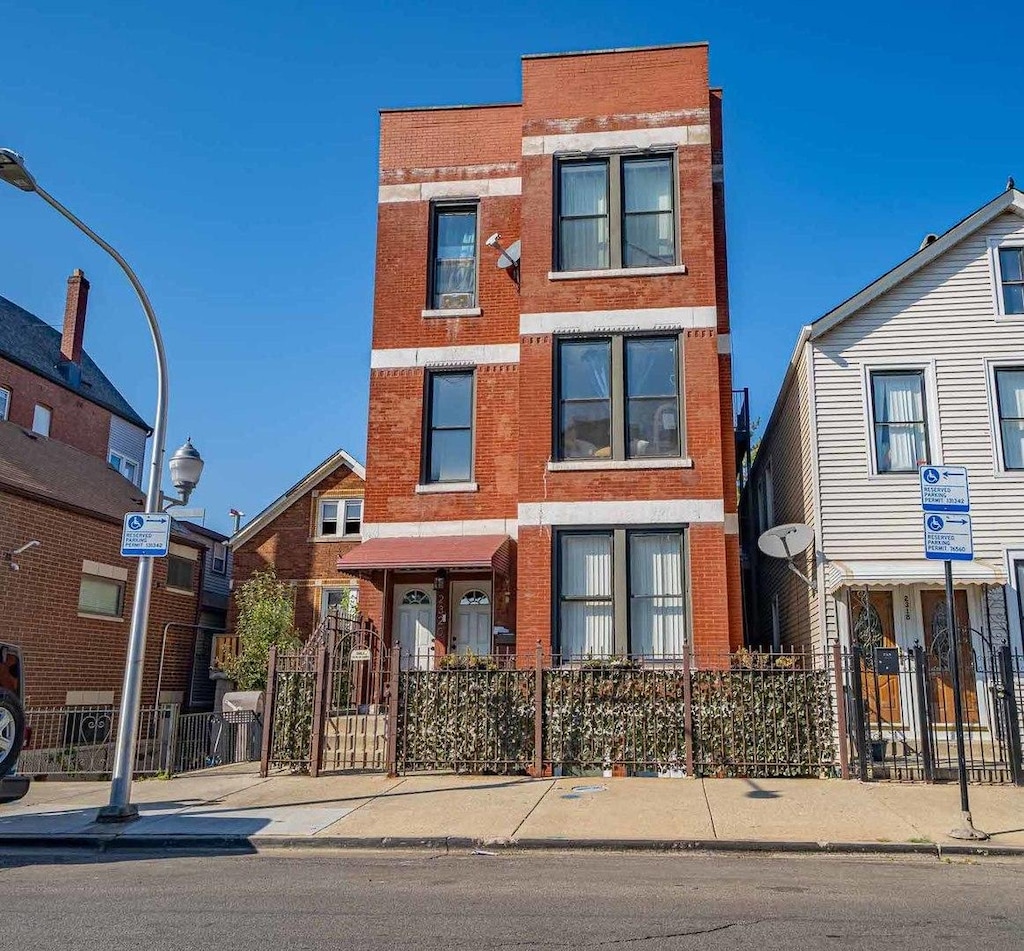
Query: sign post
[[945, 499]]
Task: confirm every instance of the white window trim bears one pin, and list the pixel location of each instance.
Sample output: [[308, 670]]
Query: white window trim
[[998, 460], [213, 559], [996, 275], [121, 460], [932, 420], [339, 535], [49, 419], [7, 403]]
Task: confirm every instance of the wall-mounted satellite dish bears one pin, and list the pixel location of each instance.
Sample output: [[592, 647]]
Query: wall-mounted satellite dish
[[509, 257], [785, 541]]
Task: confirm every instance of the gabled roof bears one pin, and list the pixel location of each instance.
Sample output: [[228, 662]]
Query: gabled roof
[[1009, 200], [35, 345], [308, 481]]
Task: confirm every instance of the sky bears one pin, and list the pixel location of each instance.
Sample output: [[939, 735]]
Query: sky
[[229, 151]]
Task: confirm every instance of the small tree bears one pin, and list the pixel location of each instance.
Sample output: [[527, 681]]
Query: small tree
[[266, 618]]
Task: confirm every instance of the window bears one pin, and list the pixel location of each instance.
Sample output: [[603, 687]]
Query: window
[[776, 624], [616, 212], [449, 437], [353, 516], [1010, 404], [219, 558], [619, 398], [41, 420], [900, 426], [453, 270], [630, 604], [103, 596], [765, 499], [340, 517], [338, 600], [179, 572], [5, 402], [1011, 279], [129, 468]]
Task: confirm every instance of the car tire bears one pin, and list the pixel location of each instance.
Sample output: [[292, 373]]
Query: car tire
[[12, 731]]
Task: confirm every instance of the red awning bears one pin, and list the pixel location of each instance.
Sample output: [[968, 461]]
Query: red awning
[[439, 551]]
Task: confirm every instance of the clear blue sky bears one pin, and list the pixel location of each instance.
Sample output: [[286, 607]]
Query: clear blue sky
[[229, 149]]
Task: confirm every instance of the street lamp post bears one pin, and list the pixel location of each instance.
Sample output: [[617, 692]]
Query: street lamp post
[[120, 808]]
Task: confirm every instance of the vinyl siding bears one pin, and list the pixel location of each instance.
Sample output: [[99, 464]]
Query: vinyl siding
[[128, 440]]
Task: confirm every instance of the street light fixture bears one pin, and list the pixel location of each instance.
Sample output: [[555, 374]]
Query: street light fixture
[[189, 466]]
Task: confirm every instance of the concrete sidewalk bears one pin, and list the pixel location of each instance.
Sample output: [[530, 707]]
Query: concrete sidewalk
[[234, 807]]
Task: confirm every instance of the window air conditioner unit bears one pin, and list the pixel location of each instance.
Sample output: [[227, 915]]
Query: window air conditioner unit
[[456, 301]]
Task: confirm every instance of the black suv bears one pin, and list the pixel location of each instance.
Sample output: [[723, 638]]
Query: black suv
[[12, 721]]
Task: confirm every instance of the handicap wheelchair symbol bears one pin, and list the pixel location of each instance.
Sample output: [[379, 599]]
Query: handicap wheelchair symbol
[[935, 523], [931, 476], [136, 522]]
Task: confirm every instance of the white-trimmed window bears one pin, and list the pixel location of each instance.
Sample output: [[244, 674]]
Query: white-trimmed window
[[343, 600], [1008, 260], [339, 518], [129, 468], [899, 419], [5, 402], [101, 596], [219, 558], [41, 418], [1009, 391]]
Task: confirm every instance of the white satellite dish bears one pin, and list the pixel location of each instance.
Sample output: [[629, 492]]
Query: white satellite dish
[[785, 541], [509, 257]]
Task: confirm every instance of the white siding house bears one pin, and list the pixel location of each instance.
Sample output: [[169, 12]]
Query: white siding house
[[925, 365]]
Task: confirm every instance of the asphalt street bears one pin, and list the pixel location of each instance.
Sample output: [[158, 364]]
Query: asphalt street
[[389, 900]]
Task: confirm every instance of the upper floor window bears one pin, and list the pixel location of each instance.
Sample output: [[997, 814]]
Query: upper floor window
[[339, 517], [5, 403], [765, 499], [616, 212], [899, 420], [619, 398], [1011, 279], [219, 558], [179, 572], [41, 418], [129, 468], [1010, 403], [449, 429], [453, 264]]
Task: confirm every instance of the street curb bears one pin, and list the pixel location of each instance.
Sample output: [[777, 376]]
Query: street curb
[[126, 842]]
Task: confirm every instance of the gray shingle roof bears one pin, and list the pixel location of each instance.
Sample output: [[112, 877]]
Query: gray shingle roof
[[35, 345]]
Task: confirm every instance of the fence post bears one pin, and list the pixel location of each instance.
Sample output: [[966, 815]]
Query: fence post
[[688, 712], [1011, 713], [538, 715], [393, 685], [316, 732], [268, 711], [172, 745], [921, 688], [841, 726], [863, 747]]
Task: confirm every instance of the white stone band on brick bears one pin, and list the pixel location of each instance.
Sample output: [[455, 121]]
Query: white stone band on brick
[[632, 512], [469, 526], [603, 321], [404, 358], [464, 188], [669, 136]]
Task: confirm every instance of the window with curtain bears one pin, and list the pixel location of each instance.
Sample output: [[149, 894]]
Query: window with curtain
[[656, 605], [583, 221], [585, 398], [449, 444], [103, 596], [1010, 401], [900, 423], [586, 619], [1011, 277], [453, 282], [652, 396], [648, 213]]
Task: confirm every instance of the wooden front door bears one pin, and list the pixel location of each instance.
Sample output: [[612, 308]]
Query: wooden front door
[[940, 661], [873, 627]]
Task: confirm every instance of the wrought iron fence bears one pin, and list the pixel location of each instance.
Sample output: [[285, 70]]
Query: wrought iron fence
[[203, 740]]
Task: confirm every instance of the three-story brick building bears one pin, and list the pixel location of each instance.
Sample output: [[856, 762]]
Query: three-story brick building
[[550, 453]]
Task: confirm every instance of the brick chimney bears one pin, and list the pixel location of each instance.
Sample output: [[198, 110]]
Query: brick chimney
[[74, 317]]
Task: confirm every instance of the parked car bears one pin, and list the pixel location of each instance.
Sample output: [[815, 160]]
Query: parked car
[[12, 722]]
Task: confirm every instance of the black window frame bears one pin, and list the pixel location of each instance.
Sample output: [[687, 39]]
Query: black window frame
[[621, 585], [618, 399], [616, 200], [1000, 418], [429, 428], [437, 209], [177, 561], [921, 374]]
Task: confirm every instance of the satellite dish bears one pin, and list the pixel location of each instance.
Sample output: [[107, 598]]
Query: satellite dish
[[509, 257], [785, 541]]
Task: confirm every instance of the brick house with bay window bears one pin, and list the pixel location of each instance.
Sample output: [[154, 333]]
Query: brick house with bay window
[[551, 453]]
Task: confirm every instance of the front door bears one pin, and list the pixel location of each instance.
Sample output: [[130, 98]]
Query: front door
[[873, 628], [471, 601], [937, 645], [414, 613]]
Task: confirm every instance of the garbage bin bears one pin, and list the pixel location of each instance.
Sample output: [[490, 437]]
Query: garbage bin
[[241, 718]]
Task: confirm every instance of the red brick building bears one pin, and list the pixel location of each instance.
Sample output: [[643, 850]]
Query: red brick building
[[551, 450], [302, 534]]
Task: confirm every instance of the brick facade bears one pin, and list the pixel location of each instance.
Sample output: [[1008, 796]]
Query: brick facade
[[504, 159]]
